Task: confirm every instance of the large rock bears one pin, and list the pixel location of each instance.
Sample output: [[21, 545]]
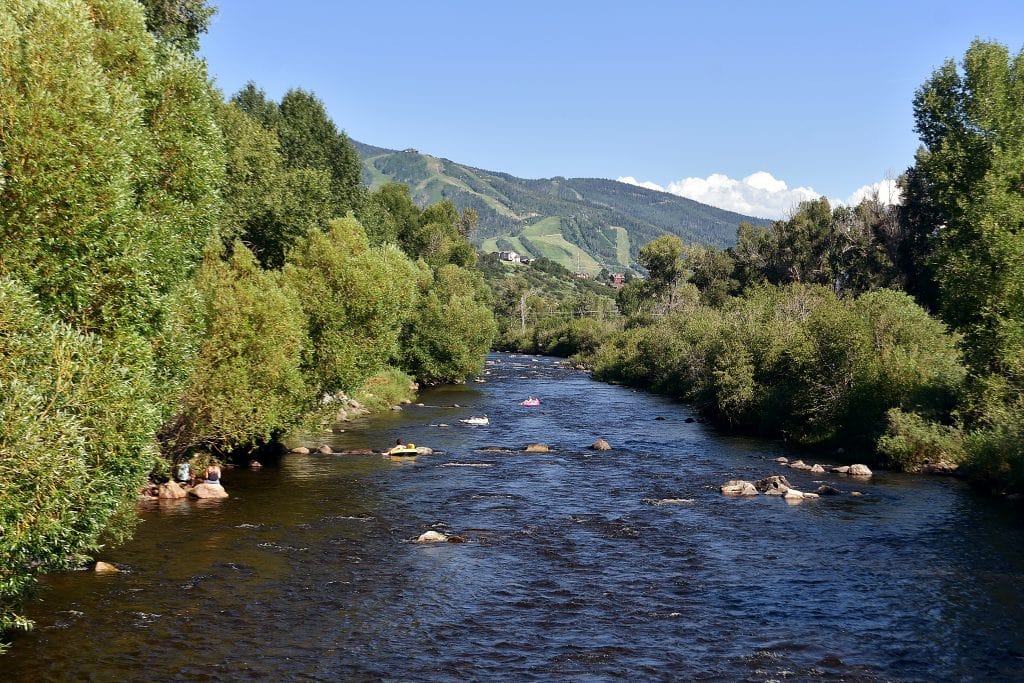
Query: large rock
[[171, 490], [538, 448], [826, 490], [738, 487], [772, 486], [301, 450], [939, 468], [105, 568], [601, 445], [208, 491], [859, 471], [799, 465], [325, 450], [432, 537], [817, 469], [842, 469]]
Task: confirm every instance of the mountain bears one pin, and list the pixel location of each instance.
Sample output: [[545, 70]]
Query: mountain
[[583, 223]]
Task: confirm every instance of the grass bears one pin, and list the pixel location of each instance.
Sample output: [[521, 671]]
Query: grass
[[546, 235], [622, 246]]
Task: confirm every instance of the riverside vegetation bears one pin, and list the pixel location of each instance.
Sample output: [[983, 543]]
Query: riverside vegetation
[[896, 331], [183, 273]]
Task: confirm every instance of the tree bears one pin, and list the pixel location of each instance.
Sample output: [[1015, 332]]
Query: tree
[[972, 129], [178, 22]]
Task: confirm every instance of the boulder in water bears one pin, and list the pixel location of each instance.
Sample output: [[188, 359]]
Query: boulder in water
[[325, 450], [538, 448], [105, 568], [817, 469], [826, 490], [738, 487], [432, 537], [773, 486], [171, 490], [859, 471], [301, 450], [208, 491], [601, 445]]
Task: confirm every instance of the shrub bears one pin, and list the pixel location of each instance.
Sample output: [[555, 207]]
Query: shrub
[[911, 441]]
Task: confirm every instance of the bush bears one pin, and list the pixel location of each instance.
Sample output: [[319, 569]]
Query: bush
[[911, 441], [77, 419]]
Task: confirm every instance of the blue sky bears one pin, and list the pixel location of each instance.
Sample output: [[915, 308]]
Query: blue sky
[[750, 105]]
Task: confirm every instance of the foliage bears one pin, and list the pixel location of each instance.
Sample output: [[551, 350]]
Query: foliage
[[355, 299], [247, 385], [384, 389], [77, 419], [796, 361], [912, 441], [178, 22], [452, 327]]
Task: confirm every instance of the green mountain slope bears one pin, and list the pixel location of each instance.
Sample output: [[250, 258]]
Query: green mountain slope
[[583, 223]]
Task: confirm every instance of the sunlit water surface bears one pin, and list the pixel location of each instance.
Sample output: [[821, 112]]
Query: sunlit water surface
[[577, 564]]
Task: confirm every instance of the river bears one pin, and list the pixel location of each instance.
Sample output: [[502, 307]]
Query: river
[[577, 564]]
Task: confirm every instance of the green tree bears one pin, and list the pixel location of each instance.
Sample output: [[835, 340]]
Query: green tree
[[356, 299], [247, 386], [178, 22]]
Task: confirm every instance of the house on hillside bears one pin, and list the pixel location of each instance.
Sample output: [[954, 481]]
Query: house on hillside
[[617, 280], [582, 276], [509, 256]]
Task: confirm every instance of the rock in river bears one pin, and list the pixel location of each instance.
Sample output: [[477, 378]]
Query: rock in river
[[538, 448], [432, 537], [601, 445], [208, 491], [737, 487], [773, 486], [171, 490]]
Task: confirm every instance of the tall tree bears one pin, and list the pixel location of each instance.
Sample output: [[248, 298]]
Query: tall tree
[[178, 22]]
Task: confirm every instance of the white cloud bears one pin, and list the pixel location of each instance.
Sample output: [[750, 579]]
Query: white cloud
[[760, 194], [886, 190]]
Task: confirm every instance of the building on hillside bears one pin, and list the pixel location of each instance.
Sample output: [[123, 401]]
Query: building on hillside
[[510, 256], [525, 261], [582, 276], [617, 280]]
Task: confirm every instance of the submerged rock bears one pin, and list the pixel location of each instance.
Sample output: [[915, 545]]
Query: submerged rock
[[794, 495], [738, 487], [325, 450], [538, 448], [826, 490], [432, 537], [301, 450], [601, 445], [105, 568], [817, 469]]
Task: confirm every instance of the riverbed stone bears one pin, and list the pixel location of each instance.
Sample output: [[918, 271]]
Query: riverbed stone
[[301, 450], [941, 467], [842, 469], [432, 537], [859, 471], [738, 487], [171, 490], [793, 494], [208, 491], [601, 445], [538, 448], [325, 450], [826, 490], [105, 568], [799, 465], [773, 486], [782, 460], [817, 469]]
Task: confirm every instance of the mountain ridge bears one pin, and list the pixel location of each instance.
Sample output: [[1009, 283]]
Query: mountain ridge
[[583, 223]]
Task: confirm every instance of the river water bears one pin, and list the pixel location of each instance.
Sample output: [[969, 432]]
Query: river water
[[577, 564]]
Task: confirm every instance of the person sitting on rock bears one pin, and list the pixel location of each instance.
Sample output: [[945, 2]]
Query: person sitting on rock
[[184, 472], [213, 473]]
